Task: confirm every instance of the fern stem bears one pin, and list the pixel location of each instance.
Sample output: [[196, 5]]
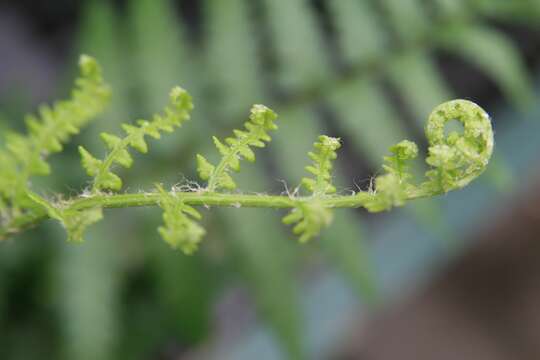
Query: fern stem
[[190, 198]]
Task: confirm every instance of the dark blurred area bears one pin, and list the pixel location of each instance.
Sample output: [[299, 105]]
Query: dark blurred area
[[446, 278]]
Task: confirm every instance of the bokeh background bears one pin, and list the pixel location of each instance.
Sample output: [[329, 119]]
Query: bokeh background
[[446, 278]]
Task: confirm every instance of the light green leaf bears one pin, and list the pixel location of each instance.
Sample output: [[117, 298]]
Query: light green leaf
[[204, 168], [310, 215], [396, 164], [324, 154], [173, 116], [136, 137], [89, 163], [255, 134], [46, 131], [179, 231], [310, 218]]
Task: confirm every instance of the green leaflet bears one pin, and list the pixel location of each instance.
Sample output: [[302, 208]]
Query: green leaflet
[[173, 116], [392, 187], [180, 230], [74, 221], [24, 155], [255, 134], [311, 216], [322, 166], [397, 162]]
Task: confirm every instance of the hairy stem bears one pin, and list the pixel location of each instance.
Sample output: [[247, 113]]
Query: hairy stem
[[190, 198]]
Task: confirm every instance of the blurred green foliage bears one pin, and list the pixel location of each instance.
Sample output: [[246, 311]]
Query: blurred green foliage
[[124, 293]]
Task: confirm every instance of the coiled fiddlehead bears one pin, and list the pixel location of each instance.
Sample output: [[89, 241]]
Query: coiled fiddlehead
[[457, 159], [454, 160]]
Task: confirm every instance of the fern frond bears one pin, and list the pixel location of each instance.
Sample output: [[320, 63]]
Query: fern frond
[[397, 163], [54, 125], [310, 215], [24, 155], [324, 154], [173, 116], [392, 188], [235, 148], [180, 230]]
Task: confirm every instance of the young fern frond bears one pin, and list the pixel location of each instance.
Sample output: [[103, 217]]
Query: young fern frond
[[325, 153], [457, 159], [173, 116], [453, 161], [24, 155], [397, 162], [180, 230], [310, 214], [392, 187], [261, 120]]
